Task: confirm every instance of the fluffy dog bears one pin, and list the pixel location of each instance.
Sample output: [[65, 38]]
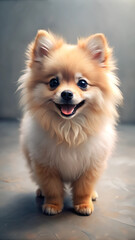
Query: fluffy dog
[[70, 97]]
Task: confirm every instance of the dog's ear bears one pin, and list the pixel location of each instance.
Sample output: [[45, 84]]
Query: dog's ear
[[44, 43], [96, 45]]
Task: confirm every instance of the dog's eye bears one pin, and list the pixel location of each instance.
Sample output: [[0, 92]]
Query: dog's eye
[[54, 82], [82, 84]]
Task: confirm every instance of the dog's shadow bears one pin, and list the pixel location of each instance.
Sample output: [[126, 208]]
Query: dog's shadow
[[24, 213], [68, 206]]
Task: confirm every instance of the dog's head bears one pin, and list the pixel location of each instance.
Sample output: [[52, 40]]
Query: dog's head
[[70, 82]]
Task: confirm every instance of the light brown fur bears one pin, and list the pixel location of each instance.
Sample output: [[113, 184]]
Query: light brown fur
[[82, 193], [51, 187], [100, 108]]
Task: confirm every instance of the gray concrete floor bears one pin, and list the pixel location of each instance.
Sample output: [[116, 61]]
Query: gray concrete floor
[[20, 211]]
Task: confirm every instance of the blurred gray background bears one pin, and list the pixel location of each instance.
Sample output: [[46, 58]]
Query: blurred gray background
[[20, 20]]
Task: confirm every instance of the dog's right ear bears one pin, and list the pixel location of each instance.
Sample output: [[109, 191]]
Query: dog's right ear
[[44, 43]]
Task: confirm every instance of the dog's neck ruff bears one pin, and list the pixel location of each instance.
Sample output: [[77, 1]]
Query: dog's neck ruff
[[72, 131]]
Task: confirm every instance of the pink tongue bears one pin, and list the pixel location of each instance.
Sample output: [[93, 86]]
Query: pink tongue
[[67, 109]]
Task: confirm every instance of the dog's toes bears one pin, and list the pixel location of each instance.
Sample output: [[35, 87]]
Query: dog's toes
[[51, 209], [84, 209], [94, 196]]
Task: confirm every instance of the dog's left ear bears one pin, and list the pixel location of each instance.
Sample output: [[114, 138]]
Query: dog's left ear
[[96, 45]]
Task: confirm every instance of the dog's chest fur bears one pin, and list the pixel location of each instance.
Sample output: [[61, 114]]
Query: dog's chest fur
[[71, 161]]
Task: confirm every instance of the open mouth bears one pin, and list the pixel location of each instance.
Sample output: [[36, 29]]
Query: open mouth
[[68, 110]]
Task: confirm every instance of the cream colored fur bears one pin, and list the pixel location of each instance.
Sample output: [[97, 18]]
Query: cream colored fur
[[72, 161], [75, 148]]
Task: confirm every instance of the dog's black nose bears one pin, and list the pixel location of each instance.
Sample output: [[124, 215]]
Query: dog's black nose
[[67, 95]]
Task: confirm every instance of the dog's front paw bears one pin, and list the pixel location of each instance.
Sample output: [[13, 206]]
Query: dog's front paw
[[84, 208], [51, 209]]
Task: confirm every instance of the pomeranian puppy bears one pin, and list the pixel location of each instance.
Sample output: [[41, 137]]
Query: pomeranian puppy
[[70, 97]]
